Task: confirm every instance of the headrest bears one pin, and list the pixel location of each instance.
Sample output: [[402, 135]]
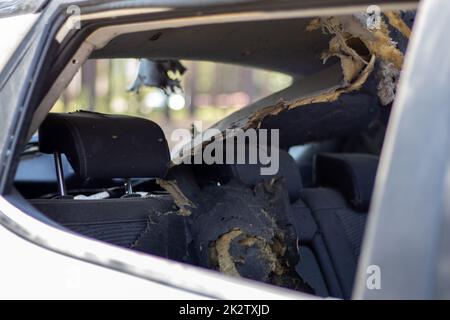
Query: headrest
[[351, 174], [250, 174], [104, 146]]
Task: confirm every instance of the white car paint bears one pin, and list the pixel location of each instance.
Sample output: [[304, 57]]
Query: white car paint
[[12, 31], [28, 271]]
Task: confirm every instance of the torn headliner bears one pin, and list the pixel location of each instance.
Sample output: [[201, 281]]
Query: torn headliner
[[335, 107], [284, 45], [280, 45]]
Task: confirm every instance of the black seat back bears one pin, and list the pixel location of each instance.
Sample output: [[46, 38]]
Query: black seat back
[[314, 265], [339, 204], [102, 146]]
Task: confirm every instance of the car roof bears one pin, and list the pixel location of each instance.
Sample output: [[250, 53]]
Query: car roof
[[281, 45]]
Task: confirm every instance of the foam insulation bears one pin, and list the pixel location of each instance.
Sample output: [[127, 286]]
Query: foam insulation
[[220, 253], [183, 203], [328, 95], [249, 233], [237, 248], [397, 22]]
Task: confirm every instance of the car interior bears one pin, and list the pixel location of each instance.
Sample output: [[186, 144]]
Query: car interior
[[110, 177]]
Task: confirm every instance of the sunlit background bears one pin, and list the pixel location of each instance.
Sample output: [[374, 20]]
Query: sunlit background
[[211, 91]]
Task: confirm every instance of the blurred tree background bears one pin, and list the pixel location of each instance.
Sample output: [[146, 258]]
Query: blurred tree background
[[211, 91]]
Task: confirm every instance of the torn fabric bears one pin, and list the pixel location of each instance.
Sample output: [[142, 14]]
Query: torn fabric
[[377, 42], [395, 20], [247, 233]]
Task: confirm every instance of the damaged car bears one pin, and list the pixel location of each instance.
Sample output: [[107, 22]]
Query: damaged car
[[286, 197]]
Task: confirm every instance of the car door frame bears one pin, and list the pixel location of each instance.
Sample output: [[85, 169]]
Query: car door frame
[[407, 241], [395, 281]]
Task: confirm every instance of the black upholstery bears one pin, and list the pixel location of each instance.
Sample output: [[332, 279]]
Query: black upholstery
[[116, 221], [327, 206], [328, 227], [315, 265], [340, 213], [135, 223], [250, 173], [352, 174], [101, 146], [104, 146]]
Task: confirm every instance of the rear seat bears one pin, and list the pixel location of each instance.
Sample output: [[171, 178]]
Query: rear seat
[[314, 267], [330, 218], [101, 147], [339, 205]]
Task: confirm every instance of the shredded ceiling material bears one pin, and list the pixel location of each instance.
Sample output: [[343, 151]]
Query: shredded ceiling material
[[250, 233], [247, 234], [234, 229], [359, 49]]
